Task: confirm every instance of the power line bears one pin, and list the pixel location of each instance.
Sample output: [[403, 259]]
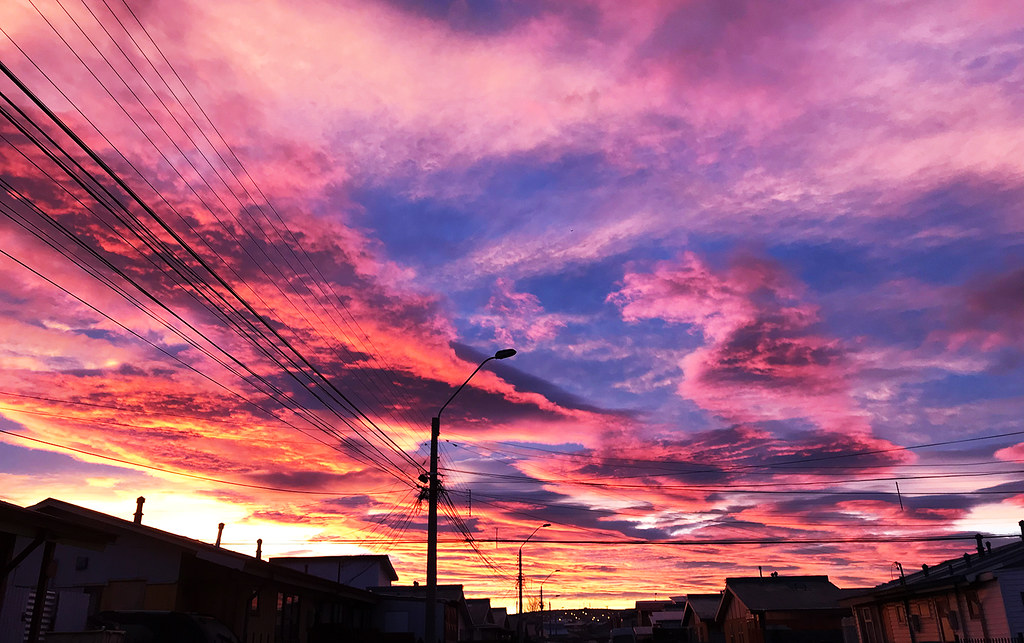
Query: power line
[[704, 542], [177, 473], [254, 321]]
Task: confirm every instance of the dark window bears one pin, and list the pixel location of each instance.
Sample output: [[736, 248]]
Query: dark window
[[973, 605]]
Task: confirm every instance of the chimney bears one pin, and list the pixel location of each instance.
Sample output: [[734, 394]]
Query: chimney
[[1021, 523], [259, 549], [981, 547], [141, 501], [924, 568], [220, 532], [967, 558]]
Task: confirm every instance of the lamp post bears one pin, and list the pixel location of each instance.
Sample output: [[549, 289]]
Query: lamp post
[[433, 490], [521, 606], [542, 601]]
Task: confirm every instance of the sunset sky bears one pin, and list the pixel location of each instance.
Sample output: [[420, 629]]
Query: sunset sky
[[762, 262]]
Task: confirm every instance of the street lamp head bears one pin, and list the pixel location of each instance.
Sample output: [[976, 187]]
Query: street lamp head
[[547, 524], [505, 353]]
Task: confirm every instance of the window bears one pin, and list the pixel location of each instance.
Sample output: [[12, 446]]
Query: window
[[973, 605], [901, 616]]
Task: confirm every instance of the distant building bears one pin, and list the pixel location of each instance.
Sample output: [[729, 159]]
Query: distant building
[[644, 609], [489, 624], [977, 597]]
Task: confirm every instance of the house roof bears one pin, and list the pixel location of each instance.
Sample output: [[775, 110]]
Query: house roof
[[480, 611], [500, 616], [673, 616], [444, 592], [33, 524], [653, 605], [704, 606], [383, 560], [968, 568], [95, 521], [781, 593]]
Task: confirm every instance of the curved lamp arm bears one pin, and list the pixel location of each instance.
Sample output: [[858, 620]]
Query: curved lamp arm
[[547, 524], [504, 353]]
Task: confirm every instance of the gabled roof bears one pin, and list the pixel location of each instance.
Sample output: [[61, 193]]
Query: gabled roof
[[480, 611], [703, 606], [965, 569], [500, 615], [778, 593]]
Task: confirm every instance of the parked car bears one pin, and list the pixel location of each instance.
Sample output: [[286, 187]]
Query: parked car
[[165, 627]]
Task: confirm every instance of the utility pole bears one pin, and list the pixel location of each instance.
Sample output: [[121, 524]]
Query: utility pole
[[522, 607], [433, 492]]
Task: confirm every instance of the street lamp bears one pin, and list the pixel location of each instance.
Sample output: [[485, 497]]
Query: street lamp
[[542, 601], [433, 487], [547, 524]]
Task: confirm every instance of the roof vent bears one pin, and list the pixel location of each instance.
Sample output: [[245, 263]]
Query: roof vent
[[220, 532], [138, 509]]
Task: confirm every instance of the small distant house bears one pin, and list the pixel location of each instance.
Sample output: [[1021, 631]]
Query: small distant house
[[782, 609], [489, 624], [699, 624], [667, 625], [976, 597], [644, 609]]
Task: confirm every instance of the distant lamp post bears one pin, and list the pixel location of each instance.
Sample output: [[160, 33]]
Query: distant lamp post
[[542, 601], [522, 607], [433, 489]]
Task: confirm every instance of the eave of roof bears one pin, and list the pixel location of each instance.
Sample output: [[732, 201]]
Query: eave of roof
[[87, 519], [30, 523]]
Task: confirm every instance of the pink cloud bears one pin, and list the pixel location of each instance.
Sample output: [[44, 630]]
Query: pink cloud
[[992, 316], [763, 359], [1015, 452], [518, 319]]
